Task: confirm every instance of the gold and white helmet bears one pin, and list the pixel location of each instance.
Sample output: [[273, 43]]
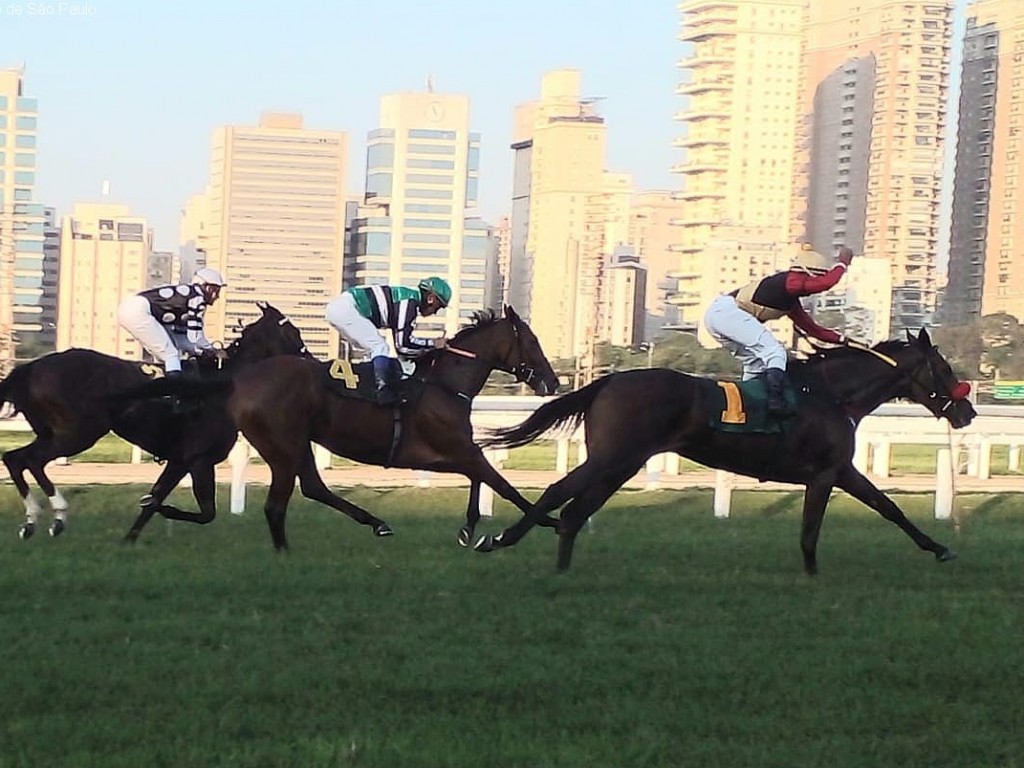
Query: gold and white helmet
[[810, 261]]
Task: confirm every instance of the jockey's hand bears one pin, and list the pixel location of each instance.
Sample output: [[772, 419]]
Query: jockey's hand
[[215, 353], [845, 255], [440, 342]]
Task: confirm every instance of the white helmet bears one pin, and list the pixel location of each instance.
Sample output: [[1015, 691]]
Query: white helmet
[[810, 261], [208, 276]]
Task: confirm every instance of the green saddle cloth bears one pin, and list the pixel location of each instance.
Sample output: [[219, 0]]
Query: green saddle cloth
[[742, 406]]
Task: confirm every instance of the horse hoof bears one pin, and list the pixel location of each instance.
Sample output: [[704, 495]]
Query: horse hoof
[[26, 530], [945, 556], [484, 544], [56, 527], [465, 534], [383, 530]]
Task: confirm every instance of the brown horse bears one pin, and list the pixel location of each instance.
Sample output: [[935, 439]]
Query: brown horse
[[633, 415], [283, 404], [70, 400]]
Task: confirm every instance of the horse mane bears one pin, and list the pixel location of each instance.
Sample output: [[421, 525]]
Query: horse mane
[[821, 355], [482, 318]]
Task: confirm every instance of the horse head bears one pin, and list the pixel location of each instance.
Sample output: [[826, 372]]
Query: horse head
[[506, 344], [273, 333], [931, 382]]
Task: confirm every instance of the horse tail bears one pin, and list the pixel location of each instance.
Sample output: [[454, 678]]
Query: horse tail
[[567, 410]]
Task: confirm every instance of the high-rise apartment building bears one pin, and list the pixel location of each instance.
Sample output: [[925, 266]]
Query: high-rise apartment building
[[559, 186], [873, 113], [422, 176], [652, 234], [741, 81], [986, 254], [276, 224], [104, 252], [21, 225]]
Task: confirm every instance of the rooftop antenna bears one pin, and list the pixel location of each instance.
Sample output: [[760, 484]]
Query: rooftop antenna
[[105, 189], [430, 83]]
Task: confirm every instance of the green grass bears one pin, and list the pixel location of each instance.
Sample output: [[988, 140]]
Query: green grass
[[675, 640]]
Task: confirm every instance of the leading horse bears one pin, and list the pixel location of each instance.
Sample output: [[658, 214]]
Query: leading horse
[[283, 404], [70, 400], [633, 415]]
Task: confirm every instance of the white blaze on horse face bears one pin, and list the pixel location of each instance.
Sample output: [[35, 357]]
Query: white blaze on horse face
[[58, 504], [32, 509]]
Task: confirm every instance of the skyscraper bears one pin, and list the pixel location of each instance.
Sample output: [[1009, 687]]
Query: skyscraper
[[873, 111], [740, 115], [104, 252], [558, 172], [21, 223], [422, 175], [986, 254], [276, 225]]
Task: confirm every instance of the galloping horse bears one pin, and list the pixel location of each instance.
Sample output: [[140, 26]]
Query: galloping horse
[[633, 415], [69, 400], [283, 404]]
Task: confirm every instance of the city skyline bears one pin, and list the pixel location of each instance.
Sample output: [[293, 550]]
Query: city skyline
[[142, 120]]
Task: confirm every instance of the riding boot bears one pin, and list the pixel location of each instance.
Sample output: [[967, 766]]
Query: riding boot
[[382, 380], [177, 406], [777, 405]]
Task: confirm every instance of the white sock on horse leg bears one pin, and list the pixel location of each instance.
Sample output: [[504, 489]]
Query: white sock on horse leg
[[32, 509], [58, 504]]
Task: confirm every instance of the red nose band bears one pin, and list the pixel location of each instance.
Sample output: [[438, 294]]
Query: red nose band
[[960, 390]]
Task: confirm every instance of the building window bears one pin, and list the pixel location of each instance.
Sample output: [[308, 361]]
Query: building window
[[427, 208], [432, 149], [25, 177], [26, 104], [430, 253], [380, 156], [23, 194], [437, 194], [422, 133], [426, 178], [379, 184], [427, 223], [417, 162], [24, 141], [426, 237], [25, 123]]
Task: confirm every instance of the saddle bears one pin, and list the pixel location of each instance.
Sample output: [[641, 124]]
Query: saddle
[[742, 406], [343, 378]]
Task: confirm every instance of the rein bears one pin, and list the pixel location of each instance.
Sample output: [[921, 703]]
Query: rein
[[523, 373]]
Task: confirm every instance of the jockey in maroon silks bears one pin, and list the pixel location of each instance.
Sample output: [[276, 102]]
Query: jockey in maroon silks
[[736, 319]]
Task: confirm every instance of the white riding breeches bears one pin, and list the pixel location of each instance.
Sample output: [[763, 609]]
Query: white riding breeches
[[135, 316], [745, 336], [343, 314]]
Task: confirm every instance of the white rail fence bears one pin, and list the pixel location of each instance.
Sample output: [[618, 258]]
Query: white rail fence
[[965, 451]]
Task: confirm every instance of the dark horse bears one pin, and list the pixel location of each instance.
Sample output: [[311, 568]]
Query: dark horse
[[633, 415], [69, 400], [283, 404]]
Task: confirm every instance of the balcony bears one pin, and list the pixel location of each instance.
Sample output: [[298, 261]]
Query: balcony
[[702, 140], [699, 194], [696, 115], [703, 60], [685, 299], [706, 29], [704, 86], [693, 6], [700, 166]]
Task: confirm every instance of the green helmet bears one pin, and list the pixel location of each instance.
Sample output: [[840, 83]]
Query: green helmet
[[439, 287]]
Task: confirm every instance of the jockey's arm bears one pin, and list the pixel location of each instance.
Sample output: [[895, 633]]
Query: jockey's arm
[[407, 344], [194, 331], [805, 323], [801, 284]]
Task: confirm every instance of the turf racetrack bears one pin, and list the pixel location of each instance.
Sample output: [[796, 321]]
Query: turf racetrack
[[675, 640]]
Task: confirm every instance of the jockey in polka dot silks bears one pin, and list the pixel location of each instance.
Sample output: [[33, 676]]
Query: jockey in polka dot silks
[[169, 318]]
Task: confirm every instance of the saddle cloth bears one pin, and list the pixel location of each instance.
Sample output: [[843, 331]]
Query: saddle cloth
[[355, 380], [742, 406]]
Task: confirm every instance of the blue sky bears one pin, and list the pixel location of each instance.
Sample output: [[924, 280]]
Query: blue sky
[[131, 91]]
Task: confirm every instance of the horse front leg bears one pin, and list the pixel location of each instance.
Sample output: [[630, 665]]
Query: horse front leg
[[858, 486], [472, 515], [815, 500], [204, 489], [151, 503]]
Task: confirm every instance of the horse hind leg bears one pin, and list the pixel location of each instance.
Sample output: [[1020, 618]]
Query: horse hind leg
[[313, 487], [152, 502], [580, 509]]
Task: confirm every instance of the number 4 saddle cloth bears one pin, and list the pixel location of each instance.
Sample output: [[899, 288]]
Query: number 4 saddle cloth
[[742, 406], [355, 380]]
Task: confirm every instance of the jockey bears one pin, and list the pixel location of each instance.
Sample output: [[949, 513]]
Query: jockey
[[736, 319], [359, 312], [169, 318]]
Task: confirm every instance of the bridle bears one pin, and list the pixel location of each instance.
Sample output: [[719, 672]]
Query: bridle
[[523, 372]]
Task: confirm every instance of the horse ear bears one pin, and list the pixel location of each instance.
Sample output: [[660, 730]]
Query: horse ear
[[510, 313], [924, 339], [263, 306], [910, 338]]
